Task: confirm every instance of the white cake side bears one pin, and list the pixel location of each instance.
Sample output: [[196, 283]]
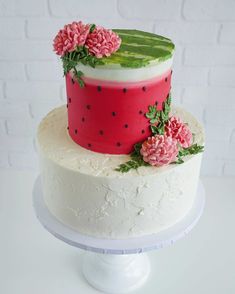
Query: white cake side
[[82, 189]]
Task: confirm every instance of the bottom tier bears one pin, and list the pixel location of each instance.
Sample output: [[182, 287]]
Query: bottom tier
[[83, 190]]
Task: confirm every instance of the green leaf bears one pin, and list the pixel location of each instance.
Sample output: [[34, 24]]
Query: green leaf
[[83, 61], [81, 83], [137, 147], [153, 120], [179, 161], [135, 155], [85, 51], [131, 164], [152, 112], [79, 74], [154, 129], [91, 63], [193, 149], [92, 27], [150, 115], [135, 162], [159, 116], [80, 55]]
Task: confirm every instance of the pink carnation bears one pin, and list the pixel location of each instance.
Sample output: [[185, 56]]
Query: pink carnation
[[102, 42], [159, 150], [71, 36], [176, 129]]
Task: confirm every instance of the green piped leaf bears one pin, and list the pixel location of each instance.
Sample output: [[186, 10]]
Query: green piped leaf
[[152, 112], [158, 118], [193, 149], [153, 120], [92, 27], [154, 129], [135, 162], [72, 59]]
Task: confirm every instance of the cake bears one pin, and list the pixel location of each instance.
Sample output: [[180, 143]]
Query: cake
[[118, 161]]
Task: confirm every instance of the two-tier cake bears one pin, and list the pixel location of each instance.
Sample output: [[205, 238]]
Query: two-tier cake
[[118, 161]]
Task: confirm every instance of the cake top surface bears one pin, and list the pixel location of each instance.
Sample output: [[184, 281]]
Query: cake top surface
[[93, 45], [55, 143], [139, 48]]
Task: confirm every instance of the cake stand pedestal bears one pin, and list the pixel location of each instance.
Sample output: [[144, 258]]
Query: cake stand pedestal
[[114, 266]]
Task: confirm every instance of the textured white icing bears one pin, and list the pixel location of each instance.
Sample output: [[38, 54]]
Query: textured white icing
[[117, 73], [82, 189]]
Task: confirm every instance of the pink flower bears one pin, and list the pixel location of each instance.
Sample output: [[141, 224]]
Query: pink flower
[[176, 129], [102, 42], [71, 36], [159, 150]]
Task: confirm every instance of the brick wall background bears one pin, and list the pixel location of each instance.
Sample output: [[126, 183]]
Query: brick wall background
[[31, 81]]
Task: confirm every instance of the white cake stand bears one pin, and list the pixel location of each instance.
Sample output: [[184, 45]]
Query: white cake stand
[[114, 266]]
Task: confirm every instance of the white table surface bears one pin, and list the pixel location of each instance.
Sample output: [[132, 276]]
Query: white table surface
[[34, 262]]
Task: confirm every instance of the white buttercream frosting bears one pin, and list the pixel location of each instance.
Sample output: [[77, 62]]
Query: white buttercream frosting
[[83, 190]]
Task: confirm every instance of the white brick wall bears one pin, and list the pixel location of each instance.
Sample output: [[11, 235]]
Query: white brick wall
[[150, 9], [31, 81]]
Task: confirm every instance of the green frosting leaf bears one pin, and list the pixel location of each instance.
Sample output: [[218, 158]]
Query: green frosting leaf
[[158, 118], [135, 162], [193, 149], [71, 59], [92, 27]]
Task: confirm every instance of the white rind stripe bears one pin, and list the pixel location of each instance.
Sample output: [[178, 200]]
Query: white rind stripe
[[116, 73]]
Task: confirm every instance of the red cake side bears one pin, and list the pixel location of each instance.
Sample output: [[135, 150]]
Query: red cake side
[[109, 117]]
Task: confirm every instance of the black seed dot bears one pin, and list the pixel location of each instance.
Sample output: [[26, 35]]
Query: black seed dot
[[140, 112], [124, 90], [75, 131], [113, 113], [88, 107], [83, 119], [89, 145], [171, 72], [126, 126], [166, 79], [72, 80], [143, 131], [144, 88], [67, 105], [101, 132], [119, 144], [99, 88], [67, 128], [156, 103]]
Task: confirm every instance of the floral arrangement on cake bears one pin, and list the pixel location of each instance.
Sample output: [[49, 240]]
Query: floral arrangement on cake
[[84, 43], [171, 140]]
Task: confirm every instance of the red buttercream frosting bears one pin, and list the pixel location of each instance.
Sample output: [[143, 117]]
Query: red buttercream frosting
[[110, 117]]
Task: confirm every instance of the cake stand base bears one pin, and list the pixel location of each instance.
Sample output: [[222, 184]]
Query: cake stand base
[[111, 265], [116, 273]]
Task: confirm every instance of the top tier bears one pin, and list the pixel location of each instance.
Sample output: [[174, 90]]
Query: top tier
[[141, 56], [107, 115]]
